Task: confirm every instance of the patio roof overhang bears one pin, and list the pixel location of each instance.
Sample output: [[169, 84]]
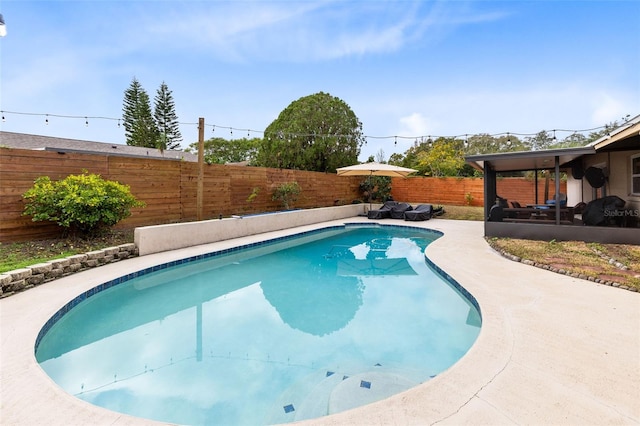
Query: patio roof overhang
[[528, 160]]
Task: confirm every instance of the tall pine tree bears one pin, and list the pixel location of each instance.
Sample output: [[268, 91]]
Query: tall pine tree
[[166, 119], [139, 126]]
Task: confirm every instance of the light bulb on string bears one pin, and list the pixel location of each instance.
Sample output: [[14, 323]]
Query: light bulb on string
[[46, 120], [395, 142], [3, 119], [213, 128], [231, 132], [118, 122], [554, 136], [86, 122]]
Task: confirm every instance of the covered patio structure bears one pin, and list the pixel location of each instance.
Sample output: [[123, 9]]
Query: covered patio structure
[[607, 169]]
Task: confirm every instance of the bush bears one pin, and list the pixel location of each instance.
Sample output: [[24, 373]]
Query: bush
[[376, 188], [286, 193], [85, 204]]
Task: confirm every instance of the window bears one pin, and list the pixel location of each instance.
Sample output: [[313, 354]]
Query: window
[[635, 174]]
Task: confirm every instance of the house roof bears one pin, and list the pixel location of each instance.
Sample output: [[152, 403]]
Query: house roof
[[625, 137], [48, 143]]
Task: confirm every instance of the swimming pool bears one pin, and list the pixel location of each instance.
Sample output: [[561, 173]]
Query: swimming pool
[[247, 336]]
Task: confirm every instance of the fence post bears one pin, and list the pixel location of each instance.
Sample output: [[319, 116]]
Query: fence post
[[200, 190]]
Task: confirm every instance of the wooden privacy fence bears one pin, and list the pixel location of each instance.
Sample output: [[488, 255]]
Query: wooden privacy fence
[[455, 191], [169, 188]]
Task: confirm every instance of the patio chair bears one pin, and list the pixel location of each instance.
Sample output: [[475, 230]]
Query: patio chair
[[496, 214], [384, 212], [421, 212], [398, 211]]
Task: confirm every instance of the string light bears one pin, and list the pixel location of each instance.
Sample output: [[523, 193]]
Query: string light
[[46, 120], [395, 138]]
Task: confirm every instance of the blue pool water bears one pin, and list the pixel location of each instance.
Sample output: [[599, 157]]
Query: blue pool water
[[286, 330]]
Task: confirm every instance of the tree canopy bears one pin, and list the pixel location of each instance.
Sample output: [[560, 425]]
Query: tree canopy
[[445, 156], [166, 119], [223, 151], [139, 127], [318, 132], [142, 128]]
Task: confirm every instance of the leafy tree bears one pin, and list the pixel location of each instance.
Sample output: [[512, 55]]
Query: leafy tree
[[83, 203], [379, 186], [139, 126], [574, 139], [542, 140], [444, 158], [511, 143], [594, 136], [166, 119], [410, 158], [318, 132], [483, 143], [396, 159], [222, 151]]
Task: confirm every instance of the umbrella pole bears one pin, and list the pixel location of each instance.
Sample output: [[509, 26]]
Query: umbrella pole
[[369, 191]]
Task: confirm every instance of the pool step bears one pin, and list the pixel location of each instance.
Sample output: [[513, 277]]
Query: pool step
[[323, 393]]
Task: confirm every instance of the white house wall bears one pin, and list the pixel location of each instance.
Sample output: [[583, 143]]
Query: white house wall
[[574, 191], [618, 164]]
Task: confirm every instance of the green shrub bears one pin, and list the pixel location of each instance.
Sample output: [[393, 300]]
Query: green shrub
[[376, 188], [286, 193], [85, 204]]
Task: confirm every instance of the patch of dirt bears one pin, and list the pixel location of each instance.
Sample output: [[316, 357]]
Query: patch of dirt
[[57, 246], [608, 262]]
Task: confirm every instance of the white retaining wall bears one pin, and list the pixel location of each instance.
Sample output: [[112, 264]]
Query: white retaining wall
[[154, 239]]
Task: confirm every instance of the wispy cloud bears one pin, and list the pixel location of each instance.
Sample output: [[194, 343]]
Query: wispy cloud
[[293, 31], [415, 124]]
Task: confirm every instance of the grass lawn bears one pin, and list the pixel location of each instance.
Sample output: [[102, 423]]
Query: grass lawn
[[611, 262]]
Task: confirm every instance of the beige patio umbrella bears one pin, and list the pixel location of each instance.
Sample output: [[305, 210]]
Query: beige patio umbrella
[[374, 169]]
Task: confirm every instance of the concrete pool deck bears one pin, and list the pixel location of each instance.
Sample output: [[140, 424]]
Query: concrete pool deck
[[552, 349]]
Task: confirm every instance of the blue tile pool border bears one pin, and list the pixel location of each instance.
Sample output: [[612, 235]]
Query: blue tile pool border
[[122, 279]]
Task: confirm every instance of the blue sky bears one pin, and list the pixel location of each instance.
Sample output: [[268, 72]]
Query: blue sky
[[405, 68]]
